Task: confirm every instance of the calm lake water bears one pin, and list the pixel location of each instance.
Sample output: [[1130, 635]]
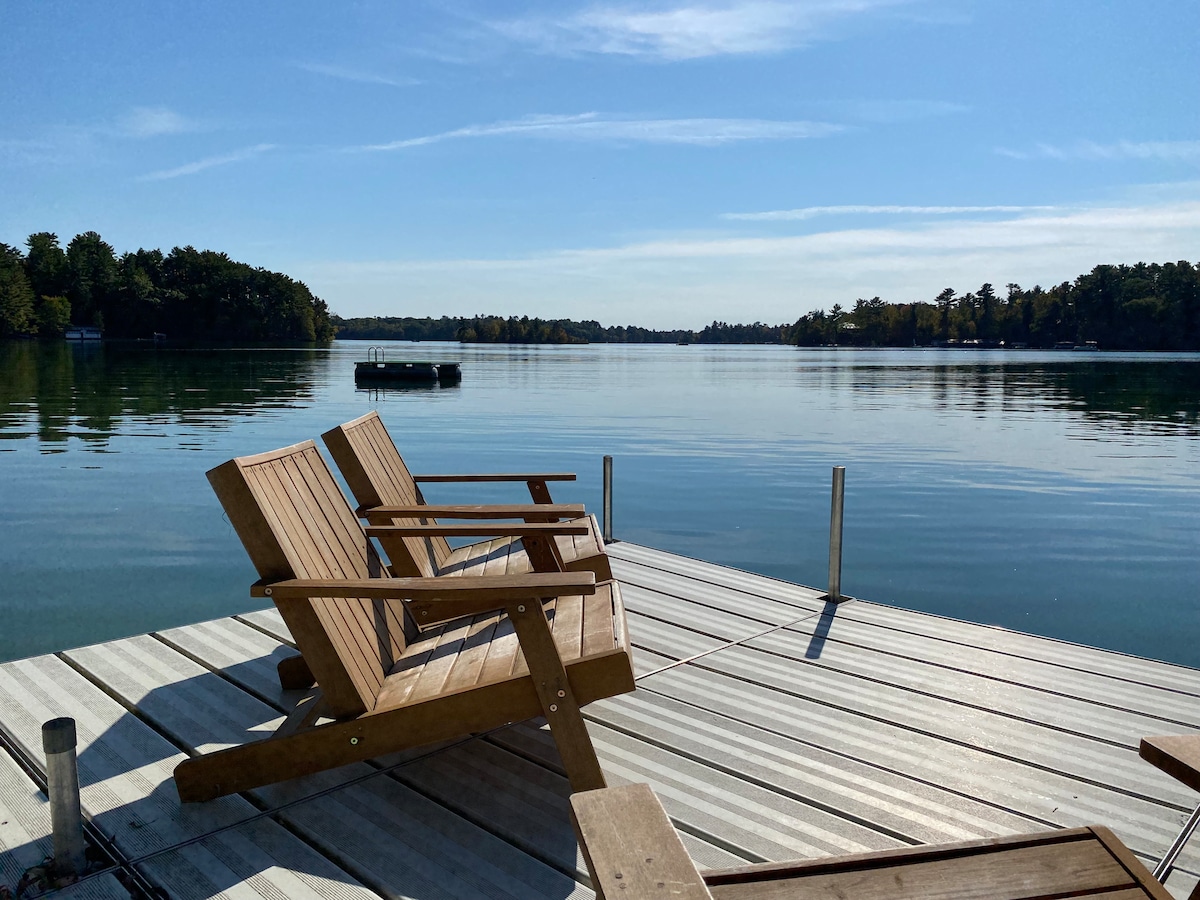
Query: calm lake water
[[1055, 493]]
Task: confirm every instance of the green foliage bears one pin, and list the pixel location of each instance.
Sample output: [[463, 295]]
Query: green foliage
[[1141, 307], [53, 316], [498, 330], [724, 333], [46, 265], [92, 268], [16, 296], [188, 294]]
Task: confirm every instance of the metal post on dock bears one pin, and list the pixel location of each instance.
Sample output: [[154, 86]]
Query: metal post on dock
[[62, 778], [608, 500], [1167, 864], [835, 533]]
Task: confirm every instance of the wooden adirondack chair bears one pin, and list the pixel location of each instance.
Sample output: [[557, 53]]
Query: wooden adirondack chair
[[633, 853], [387, 494], [523, 645]]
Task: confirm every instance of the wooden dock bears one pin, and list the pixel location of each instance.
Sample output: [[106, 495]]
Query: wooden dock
[[771, 725]]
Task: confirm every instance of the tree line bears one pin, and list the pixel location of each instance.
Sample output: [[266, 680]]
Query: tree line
[[1148, 306], [203, 295], [187, 294], [1141, 307], [524, 330], [498, 330]]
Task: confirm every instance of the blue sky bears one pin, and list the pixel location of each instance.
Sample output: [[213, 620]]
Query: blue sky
[[661, 164]]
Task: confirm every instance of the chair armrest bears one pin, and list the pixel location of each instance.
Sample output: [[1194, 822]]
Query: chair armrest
[[496, 511], [630, 847], [483, 529], [501, 588], [445, 598], [503, 476], [1177, 754]]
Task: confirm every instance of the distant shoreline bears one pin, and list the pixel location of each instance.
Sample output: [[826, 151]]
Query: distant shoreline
[[1153, 307]]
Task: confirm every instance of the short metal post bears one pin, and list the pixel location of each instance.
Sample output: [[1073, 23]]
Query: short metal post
[[835, 533], [1167, 864], [62, 778], [608, 500]]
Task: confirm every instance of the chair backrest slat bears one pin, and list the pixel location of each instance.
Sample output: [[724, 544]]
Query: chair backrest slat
[[295, 523], [377, 476]]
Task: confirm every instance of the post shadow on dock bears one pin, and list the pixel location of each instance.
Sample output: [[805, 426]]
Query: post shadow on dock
[[836, 506], [816, 643]]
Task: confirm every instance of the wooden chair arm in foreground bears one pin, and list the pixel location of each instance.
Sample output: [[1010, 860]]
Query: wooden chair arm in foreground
[[530, 478], [518, 646], [1179, 756], [378, 478], [552, 512], [523, 530], [633, 853]]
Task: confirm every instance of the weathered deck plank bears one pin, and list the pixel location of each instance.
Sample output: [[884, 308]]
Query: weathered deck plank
[[126, 789], [1048, 704], [846, 626], [523, 802], [203, 711], [1034, 744], [631, 558]]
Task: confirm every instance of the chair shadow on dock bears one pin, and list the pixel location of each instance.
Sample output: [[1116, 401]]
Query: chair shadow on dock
[[479, 811]]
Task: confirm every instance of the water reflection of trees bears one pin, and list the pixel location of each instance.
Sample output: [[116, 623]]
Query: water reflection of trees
[[60, 390], [1159, 396]]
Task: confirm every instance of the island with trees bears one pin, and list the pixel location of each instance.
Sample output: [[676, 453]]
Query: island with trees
[[187, 294]]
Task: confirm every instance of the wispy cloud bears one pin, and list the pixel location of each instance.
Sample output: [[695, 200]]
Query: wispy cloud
[[594, 127], [1166, 151], [209, 162], [358, 75], [57, 146], [75, 143], [662, 32], [811, 212], [886, 112], [154, 121]]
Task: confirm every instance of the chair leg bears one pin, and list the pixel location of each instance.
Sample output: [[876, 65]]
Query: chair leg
[[543, 553], [539, 492], [302, 752], [294, 674], [310, 708], [314, 748], [558, 701]]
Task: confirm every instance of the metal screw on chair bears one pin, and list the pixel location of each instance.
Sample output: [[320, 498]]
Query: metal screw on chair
[[521, 609]]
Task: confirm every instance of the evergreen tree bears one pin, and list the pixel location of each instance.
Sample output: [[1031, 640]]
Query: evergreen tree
[[53, 316], [16, 295], [46, 265], [93, 277]]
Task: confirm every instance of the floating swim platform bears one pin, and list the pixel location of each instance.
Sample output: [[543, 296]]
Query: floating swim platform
[[376, 368]]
